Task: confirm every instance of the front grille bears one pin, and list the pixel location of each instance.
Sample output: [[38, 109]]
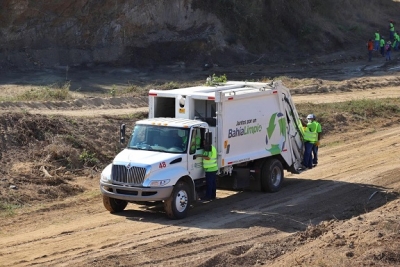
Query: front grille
[[132, 176]]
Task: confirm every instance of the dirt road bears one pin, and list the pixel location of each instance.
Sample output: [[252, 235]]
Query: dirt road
[[128, 105], [354, 176]]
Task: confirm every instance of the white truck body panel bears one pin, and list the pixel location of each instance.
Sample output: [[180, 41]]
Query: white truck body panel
[[251, 119]]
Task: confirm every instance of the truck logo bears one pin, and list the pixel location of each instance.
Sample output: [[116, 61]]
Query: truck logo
[[249, 127], [276, 139]]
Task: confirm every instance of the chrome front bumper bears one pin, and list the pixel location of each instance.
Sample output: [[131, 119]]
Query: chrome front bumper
[[129, 193]]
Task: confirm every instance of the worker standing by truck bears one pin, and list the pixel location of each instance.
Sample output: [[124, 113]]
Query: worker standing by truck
[[318, 129], [210, 167], [311, 141]]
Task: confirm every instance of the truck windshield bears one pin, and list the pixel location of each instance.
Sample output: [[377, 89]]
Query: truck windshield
[[159, 138]]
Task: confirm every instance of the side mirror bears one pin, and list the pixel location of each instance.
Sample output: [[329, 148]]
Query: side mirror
[[122, 133]]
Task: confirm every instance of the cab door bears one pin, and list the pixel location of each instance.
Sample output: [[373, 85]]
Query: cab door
[[195, 147]]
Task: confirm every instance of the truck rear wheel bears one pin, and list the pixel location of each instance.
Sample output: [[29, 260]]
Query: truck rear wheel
[[114, 205], [178, 203], [271, 175]]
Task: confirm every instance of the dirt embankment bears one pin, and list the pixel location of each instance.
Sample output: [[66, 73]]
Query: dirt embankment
[[189, 32]]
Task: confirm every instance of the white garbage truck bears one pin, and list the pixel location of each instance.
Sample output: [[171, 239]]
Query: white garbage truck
[[253, 125]]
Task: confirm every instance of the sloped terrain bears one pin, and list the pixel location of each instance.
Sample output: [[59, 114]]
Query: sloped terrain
[[38, 34]]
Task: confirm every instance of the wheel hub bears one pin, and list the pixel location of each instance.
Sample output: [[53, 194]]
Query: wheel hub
[[181, 200]]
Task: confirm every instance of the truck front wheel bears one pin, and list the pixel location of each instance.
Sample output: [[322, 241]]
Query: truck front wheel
[[114, 205], [271, 175], [178, 203]]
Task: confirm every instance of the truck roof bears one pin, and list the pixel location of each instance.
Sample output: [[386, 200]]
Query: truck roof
[[172, 122], [230, 86]]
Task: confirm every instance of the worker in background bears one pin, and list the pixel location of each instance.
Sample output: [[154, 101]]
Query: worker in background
[[395, 45], [315, 127], [391, 30], [370, 46], [377, 40], [210, 167], [382, 46], [388, 49]]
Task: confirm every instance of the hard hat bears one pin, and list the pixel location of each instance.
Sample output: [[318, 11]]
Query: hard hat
[[311, 116]]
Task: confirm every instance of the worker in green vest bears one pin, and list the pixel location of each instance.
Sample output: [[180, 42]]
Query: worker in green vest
[[315, 126], [210, 167], [310, 139], [396, 41], [382, 46], [377, 40], [391, 30]]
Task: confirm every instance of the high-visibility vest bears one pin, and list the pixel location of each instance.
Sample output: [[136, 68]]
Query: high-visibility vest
[[377, 36], [311, 136], [391, 27], [210, 165]]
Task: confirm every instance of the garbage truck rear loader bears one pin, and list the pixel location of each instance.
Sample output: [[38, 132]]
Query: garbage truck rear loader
[[254, 127]]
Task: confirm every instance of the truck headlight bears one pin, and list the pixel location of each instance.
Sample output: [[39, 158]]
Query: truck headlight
[[160, 182], [106, 174], [105, 178]]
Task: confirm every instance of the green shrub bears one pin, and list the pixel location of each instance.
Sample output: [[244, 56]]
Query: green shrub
[[7, 209], [214, 80], [113, 91], [52, 92], [88, 159]]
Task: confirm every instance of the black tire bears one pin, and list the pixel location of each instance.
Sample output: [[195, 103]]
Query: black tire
[[271, 175], [178, 203], [114, 205]]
